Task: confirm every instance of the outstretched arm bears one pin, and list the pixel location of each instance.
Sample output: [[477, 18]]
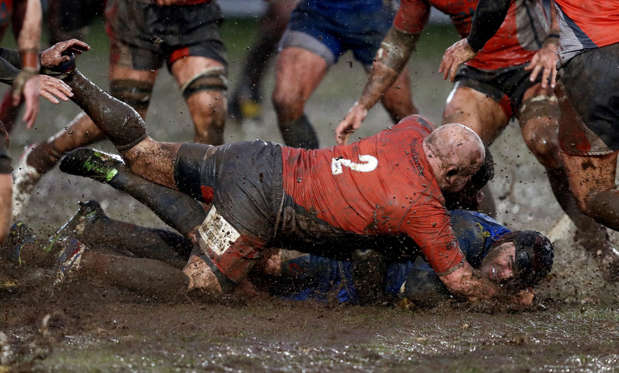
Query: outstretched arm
[[28, 43], [394, 52]]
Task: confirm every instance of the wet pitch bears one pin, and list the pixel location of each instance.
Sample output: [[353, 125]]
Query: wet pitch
[[94, 327]]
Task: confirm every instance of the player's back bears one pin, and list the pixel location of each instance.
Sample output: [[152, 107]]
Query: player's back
[[366, 188]]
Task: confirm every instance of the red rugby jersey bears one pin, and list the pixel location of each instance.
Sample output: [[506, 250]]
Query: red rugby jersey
[[382, 184], [598, 19], [515, 43]]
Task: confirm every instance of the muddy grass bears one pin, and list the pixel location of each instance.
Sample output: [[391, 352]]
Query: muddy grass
[[93, 327]]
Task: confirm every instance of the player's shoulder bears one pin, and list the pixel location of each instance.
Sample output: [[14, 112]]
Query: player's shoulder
[[416, 123]]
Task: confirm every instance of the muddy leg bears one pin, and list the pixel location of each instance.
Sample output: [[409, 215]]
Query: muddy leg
[[146, 276], [298, 73], [398, 100]]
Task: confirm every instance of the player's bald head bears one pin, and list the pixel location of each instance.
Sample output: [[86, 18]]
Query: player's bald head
[[455, 152]]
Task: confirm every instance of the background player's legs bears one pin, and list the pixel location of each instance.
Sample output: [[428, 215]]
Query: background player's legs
[[204, 86], [247, 97], [398, 100], [298, 73], [127, 84], [9, 112]]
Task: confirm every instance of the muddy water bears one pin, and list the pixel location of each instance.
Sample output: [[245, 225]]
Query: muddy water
[[95, 327]]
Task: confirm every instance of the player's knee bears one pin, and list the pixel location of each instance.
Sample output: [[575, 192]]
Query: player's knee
[[136, 93], [201, 276], [288, 104], [212, 79], [539, 120]]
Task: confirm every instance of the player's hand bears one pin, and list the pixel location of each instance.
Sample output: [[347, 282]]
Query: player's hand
[[19, 83], [46, 86], [545, 60], [350, 124], [454, 56], [524, 297], [61, 52]]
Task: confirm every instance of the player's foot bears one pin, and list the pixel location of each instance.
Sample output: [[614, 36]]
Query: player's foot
[[19, 236], [608, 260], [91, 163], [88, 212], [25, 178], [241, 108], [597, 242], [69, 259]]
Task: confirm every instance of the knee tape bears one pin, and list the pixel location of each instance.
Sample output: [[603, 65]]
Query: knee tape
[[211, 79], [538, 107], [136, 93]]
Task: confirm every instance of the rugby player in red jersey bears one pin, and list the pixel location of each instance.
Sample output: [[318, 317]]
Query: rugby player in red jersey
[[264, 195]]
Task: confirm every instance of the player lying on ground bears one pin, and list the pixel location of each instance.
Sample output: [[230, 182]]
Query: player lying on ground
[[264, 195], [92, 243]]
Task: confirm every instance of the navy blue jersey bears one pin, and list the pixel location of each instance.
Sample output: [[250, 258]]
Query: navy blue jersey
[[323, 277]]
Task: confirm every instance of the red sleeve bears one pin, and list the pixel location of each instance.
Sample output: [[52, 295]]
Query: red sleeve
[[412, 16], [431, 229]]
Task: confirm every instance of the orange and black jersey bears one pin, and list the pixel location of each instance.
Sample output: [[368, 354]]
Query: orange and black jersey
[[380, 185], [515, 43]]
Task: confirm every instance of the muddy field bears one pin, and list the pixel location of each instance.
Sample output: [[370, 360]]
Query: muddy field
[[91, 327]]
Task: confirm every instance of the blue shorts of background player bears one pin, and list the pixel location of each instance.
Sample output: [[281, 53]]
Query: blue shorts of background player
[[478, 234], [330, 28]]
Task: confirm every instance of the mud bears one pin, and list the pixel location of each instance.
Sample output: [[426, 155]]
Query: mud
[[97, 327]]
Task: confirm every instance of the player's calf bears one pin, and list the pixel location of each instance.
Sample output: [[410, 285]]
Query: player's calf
[[539, 121]]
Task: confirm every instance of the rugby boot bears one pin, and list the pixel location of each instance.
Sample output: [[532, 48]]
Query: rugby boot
[[243, 107], [36, 161], [597, 242], [88, 212], [91, 163], [20, 236], [25, 179], [69, 258]]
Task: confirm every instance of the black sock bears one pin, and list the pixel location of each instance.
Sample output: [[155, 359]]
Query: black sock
[[299, 134], [175, 208]]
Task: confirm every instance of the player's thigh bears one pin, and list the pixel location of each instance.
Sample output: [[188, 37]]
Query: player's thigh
[[202, 81], [154, 161], [476, 110], [298, 73]]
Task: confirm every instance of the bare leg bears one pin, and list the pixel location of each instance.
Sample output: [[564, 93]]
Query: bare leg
[[247, 94], [298, 74], [203, 79], [398, 100]]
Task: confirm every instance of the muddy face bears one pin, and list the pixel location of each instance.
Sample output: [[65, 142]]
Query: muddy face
[[498, 265]]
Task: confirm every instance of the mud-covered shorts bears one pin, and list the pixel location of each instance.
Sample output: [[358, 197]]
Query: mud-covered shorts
[[5, 160], [591, 81], [506, 86], [72, 15], [329, 33], [144, 35], [243, 181]]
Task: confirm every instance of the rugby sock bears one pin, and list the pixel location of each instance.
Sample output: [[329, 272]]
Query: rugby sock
[[175, 208], [299, 133], [119, 121], [103, 232]]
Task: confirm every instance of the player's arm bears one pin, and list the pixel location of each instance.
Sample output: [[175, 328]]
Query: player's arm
[[390, 59], [28, 43], [5, 187], [546, 58], [487, 20], [431, 230]]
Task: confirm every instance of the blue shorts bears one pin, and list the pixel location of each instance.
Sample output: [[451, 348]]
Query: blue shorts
[[330, 31]]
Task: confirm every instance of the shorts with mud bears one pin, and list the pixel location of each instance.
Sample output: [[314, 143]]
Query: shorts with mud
[[505, 86], [144, 35], [591, 81]]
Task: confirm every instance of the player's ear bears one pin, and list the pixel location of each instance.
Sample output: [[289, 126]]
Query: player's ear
[[451, 174]]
